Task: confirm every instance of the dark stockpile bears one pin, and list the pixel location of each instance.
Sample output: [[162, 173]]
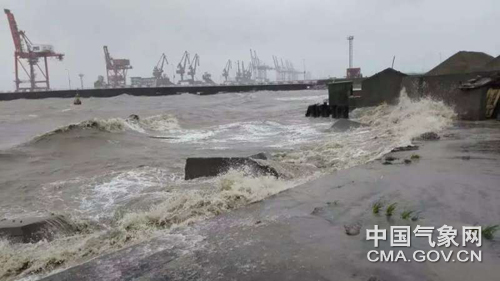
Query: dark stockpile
[[493, 65], [462, 62]]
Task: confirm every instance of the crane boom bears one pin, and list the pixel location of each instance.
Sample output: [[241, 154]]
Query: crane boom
[[30, 54], [158, 69], [181, 66], [14, 30], [225, 71], [192, 67]]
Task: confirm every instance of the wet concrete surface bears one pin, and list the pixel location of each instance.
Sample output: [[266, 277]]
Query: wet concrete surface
[[300, 234]]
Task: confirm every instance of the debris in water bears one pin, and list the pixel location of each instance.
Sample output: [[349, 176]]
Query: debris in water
[[77, 100], [352, 229]]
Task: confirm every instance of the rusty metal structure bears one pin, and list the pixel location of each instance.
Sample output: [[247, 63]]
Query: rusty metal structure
[[116, 69], [27, 56]]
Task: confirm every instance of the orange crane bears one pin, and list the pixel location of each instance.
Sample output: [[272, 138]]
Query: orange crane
[[116, 69], [31, 54]]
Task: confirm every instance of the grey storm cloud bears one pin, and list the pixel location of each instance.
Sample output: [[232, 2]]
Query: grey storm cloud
[[419, 33]]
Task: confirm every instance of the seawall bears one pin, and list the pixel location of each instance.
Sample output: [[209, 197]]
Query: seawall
[[154, 91]]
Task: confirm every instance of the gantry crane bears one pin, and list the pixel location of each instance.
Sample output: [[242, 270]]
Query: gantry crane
[[116, 69], [161, 79], [192, 67], [225, 71], [158, 69], [280, 73], [259, 68], [244, 76], [31, 53], [181, 66]]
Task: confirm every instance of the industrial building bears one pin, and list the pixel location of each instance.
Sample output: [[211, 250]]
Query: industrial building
[[468, 81]]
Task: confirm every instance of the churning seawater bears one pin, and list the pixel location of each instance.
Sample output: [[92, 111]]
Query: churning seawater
[[121, 180]]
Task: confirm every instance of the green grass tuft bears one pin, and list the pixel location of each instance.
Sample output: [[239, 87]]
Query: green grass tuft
[[376, 207], [489, 231], [415, 157], [390, 209], [406, 214]]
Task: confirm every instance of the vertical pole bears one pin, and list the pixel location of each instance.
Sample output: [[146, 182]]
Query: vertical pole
[[69, 79], [32, 74], [351, 54], [304, 61], [47, 72], [16, 62]]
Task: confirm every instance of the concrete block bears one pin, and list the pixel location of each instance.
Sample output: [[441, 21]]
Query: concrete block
[[214, 166], [34, 229]]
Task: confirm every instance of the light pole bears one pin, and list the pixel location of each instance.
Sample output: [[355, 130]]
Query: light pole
[[69, 79], [81, 79]]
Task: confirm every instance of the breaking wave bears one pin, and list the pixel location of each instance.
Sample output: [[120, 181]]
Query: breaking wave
[[179, 208], [389, 126], [155, 123]]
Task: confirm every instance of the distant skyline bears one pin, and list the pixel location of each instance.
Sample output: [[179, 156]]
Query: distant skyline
[[420, 33]]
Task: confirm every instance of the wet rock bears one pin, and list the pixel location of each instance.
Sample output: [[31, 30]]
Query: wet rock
[[261, 156], [317, 210], [133, 117], [429, 136], [214, 166], [352, 229], [407, 161], [30, 230], [318, 110], [387, 163], [390, 158], [342, 125], [405, 148]]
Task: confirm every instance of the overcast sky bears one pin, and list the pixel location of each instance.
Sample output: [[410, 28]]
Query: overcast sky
[[418, 32]]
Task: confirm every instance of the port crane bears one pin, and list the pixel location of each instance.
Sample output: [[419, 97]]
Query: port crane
[[207, 78], [181, 66], [259, 68], [158, 69], [116, 69], [192, 67], [227, 68], [280, 74], [244, 75], [31, 54]]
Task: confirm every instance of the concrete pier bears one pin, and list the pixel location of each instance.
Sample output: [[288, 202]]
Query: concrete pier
[[155, 91]]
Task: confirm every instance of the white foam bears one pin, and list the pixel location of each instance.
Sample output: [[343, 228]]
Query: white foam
[[319, 98]]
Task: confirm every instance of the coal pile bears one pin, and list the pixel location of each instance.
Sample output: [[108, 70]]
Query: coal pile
[[462, 62]]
